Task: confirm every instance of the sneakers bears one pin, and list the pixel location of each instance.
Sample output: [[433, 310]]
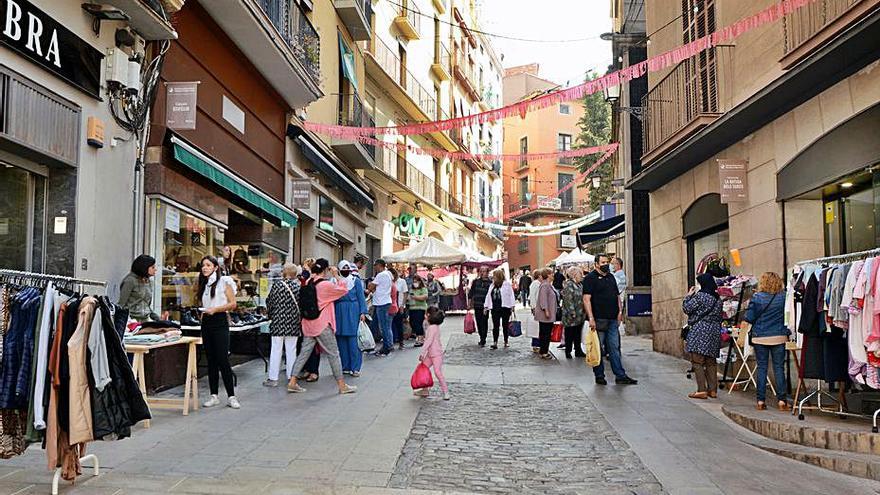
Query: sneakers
[[626, 381], [295, 389], [355, 374], [422, 392], [212, 401], [446, 395], [493, 346], [270, 383], [601, 381], [348, 389], [233, 403]]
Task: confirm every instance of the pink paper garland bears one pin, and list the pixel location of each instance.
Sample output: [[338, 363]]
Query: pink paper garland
[[653, 64], [460, 155]]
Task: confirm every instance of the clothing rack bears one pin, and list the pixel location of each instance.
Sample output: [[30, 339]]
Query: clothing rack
[[818, 393], [17, 276]]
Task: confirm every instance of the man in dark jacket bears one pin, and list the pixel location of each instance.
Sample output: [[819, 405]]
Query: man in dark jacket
[[524, 283], [477, 302]]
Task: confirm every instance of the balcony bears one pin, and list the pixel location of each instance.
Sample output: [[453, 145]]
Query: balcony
[[440, 6], [688, 99], [356, 16], [442, 59], [566, 160], [277, 37], [408, 20], [464, 72], [397, 175], [496, 168], [351, 112], [813, 25], [145, 18], [403, 87]]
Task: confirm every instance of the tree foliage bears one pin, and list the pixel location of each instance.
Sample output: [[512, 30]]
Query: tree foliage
[[595, 130]]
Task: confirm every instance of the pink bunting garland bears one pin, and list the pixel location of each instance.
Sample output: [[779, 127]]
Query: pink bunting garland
[[654, 64], [460, 155]]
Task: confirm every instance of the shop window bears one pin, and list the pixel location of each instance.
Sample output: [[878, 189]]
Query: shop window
[[22, 219], [705, 228], [325, 214], [186, 240], [850, 215]]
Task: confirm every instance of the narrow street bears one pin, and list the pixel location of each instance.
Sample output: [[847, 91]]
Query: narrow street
[[515, 424]]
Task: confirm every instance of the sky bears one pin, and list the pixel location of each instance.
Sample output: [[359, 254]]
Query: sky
[[555, 20]]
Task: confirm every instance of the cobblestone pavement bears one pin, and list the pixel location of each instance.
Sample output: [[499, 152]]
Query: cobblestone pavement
[[519, 439], [464, 350]]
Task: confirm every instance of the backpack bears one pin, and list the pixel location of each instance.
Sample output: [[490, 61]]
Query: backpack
[[308, 300]]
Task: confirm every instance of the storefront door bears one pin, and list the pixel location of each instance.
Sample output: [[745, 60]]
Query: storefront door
[[22, 218]]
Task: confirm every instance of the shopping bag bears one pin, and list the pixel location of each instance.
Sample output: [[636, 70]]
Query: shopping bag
[[556, 334], [593, 348], [421, 377], [470, 325], [366, 342], [514, 328]]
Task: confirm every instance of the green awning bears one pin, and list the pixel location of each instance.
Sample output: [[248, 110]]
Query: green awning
[[218, 174], [347, 58]]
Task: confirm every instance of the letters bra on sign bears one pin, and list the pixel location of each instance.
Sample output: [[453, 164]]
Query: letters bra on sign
[[18, 23]]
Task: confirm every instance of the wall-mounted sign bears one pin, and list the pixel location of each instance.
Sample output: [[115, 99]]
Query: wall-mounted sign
[[734, 175], [569, 241], [300, 193], [410, 226], [180, 105], [548, 203], [46, 42]]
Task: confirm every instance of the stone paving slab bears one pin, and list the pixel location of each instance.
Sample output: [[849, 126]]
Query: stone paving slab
[[464, 350], [519, 439]]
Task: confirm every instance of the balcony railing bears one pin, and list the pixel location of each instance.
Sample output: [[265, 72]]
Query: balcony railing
[[442, 55], [686, 99], [465, 73], [411, 11], [397, 167], [392, 66], [804, 23], [351, 112], [565, 160], [297, 32]]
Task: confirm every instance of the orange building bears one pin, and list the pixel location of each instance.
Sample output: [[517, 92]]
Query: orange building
[[533, 182]]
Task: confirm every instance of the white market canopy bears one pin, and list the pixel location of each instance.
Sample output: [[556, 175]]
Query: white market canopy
[[575, 257], [428, 252]]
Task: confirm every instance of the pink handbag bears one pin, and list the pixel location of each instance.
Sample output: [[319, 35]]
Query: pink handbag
[[421, 377], [470, 325]]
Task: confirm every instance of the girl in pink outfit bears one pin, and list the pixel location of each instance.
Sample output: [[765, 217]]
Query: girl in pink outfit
[[432, 351]]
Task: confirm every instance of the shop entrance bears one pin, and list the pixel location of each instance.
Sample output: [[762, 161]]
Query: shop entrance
[[22, 218], [705, 228]]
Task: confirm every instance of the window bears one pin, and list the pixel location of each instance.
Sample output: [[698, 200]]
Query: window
[[523, 150], [564, 109], [524, 190], [22, 219], [698, 20], [523, 246], [563, 143], [186, 240], [568, 196], [325, 214]]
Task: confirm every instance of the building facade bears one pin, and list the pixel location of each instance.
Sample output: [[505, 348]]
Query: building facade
[[65, 69], [530, 183], [794, 102]]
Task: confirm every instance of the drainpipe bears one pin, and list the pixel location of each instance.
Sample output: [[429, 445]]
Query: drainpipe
[[784, 245]]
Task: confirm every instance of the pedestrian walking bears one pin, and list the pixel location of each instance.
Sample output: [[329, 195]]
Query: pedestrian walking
[[417, 305], [545, 313], [310, 371], [534, 289], [136, 290], [320, 330], [573, 312], [500, 302], [399, 293], [769, 335], [217, 296], [525, 284], [558, 280], [602, 302], [285, 326], [477, 302], [380, 288], [704, 309], [435, 289], [351, 310], [432, 353]]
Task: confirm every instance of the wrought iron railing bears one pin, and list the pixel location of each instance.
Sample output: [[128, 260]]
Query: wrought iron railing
[[442, 55], [351, 112], [411, 11], [297, 32], [689, 91], [392, 66], [805, 22], [463, 66]]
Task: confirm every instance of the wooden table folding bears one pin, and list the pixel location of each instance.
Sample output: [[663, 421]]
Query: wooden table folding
[[191, 385]]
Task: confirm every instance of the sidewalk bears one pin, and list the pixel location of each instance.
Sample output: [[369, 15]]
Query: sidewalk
[[508, 410]]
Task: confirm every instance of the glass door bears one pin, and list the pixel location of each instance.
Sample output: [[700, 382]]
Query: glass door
[[22, 219]]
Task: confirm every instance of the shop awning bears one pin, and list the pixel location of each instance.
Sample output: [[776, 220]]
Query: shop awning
[[326, 167], [601, 230], [209, 168]]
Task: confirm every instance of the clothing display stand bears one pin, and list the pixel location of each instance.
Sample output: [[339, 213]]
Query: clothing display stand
[[734, 323], [744, 352], [818, 393], [96, 471]]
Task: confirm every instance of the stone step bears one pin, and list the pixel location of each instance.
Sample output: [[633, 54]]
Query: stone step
[[860, 465], [818, 431]]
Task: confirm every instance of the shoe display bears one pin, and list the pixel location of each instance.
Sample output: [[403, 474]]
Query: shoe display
[[601, 381], [233, 403], [626, 381], [212, 401], [188, 320]]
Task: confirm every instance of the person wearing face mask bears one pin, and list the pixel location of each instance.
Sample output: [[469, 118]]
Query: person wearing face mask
[[602, 302], [216, 294], [351, 309]]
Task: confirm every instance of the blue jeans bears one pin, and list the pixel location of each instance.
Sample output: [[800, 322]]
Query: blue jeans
[[762, 354], [397, 327], [609, 340], [384, 321]]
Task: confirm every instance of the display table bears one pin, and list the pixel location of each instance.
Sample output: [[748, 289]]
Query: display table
[[191, 384], [254, 329]]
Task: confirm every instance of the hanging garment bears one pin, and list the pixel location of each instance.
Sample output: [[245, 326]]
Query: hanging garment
[[80, 399], [18, 350], [856, 334], [874, 281], [838, 314], [811, 324], [836, 355]]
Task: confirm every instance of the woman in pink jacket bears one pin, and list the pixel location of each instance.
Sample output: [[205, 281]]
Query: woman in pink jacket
[[432, 351]]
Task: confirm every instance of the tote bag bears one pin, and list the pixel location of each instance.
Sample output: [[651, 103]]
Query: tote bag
[[556, 334], [470, 326], [593, 348], [514, 327], [366, 342]]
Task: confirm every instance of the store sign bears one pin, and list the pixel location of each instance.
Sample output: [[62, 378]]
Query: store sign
[[548, 203], [569, 241], [301, 193], [180, 105], [46, 42], [734, 175], [410, 226]]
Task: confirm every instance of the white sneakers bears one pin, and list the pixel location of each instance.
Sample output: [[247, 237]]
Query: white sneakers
[[215, 401], [446, 395]]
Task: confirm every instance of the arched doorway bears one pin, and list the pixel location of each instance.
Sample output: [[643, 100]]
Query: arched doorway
[[705, 229]]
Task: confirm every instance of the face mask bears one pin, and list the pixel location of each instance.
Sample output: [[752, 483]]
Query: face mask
[[345, 273], [604, 268]]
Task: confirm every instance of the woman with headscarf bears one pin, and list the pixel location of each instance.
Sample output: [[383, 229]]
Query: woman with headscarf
[[704, 310], [351, 309], [285, 327], [136, 291]]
